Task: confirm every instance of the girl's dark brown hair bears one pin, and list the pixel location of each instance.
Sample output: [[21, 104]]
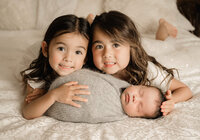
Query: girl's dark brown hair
[[40, 67], [120, 27]]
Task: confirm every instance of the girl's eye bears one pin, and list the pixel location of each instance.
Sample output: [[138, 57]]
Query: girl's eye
[[78, 52], [116, 45], [98, 47], [61, 49]]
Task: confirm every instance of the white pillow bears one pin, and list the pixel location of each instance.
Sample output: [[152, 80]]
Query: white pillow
[[18, 14], [146, 13], [84, 7], [48, 10]]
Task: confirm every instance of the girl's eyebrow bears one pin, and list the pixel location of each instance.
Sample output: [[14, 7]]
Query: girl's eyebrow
[[60, 43], [97, 41], [81, 47], [66, 45], [115, 40]]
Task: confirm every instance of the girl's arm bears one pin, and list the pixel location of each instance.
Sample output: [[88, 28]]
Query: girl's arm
[[35, 103], [180, 91], [177, 92], [33, 94], [66, 93]]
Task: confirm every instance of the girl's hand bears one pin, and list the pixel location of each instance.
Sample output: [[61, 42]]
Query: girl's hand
[[168, 105], [35, 93], [67, 92]]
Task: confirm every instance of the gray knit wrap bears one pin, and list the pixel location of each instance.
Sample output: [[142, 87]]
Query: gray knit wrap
[[103, 104]]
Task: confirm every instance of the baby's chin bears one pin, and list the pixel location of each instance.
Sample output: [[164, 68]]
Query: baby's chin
[[135, 115], [131, 116]]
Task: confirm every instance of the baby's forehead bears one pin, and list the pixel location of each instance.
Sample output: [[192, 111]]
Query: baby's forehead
[[145, 89], [153, 106], [150, 89], [132, 87]]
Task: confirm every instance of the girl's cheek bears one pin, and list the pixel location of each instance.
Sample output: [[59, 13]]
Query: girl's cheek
[[95, 57]]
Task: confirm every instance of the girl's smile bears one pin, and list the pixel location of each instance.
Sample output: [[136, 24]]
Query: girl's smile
[[109, 64], [64, 67]]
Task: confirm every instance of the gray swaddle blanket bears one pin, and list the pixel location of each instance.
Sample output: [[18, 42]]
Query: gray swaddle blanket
[[103, 104]]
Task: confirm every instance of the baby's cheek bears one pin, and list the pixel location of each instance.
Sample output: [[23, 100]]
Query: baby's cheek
[[128, 110]]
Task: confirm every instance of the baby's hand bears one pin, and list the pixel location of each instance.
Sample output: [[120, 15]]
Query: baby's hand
[[36, 93], [67, 92], [168, 105]]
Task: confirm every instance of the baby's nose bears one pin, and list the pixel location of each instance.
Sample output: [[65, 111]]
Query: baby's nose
[[136, 98], [133, 98]]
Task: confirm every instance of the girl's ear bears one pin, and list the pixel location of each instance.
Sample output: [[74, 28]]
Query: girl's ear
[[44, 48]]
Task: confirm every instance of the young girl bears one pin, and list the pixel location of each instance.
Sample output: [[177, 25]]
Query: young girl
[[62, 52], [116, 49]]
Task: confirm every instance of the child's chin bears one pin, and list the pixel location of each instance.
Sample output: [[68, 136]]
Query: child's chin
[[65, 74]]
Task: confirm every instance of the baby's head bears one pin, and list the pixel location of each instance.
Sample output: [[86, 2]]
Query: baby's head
[[142, 101]]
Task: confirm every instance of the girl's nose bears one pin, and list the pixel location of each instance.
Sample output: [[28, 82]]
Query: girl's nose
[[68, 57], [107, 52], [67, 60]]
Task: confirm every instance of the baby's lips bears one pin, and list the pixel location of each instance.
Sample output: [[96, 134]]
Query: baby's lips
[[127, 98]]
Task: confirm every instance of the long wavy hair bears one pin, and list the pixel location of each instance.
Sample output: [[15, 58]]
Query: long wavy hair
[[40, 69], [120, 27]]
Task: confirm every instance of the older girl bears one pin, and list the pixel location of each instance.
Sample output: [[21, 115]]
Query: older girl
[[116, 49]]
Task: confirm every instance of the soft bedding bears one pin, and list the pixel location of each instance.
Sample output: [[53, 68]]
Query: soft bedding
[[182, 53], [182, 123]]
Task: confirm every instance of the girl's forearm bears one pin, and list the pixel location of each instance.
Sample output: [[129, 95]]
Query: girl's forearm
[[38, 107], [181, 94]]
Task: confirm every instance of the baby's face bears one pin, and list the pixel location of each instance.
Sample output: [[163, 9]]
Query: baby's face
[[140, 101]]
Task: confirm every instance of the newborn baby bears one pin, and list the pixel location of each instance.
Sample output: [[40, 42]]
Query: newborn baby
[[104, 103], [142, 101]]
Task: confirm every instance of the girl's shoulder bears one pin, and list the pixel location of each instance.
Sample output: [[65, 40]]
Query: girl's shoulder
[[158, 77], [152, 68], [34, 84]]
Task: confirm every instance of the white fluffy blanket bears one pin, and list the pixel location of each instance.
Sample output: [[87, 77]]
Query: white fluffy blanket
[[182, 124]]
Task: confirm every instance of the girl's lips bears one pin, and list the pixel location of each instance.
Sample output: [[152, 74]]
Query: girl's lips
[[65, 67], [109, 64]]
